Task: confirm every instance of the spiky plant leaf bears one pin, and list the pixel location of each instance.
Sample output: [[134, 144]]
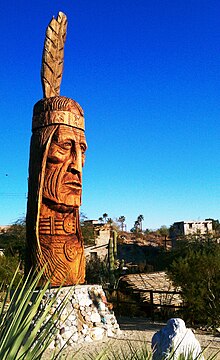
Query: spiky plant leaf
[[26, 330]]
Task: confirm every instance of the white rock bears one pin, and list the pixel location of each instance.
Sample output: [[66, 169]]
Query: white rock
[[97, 333], [116, 330], [88, 318], [68, 322], [73, 328], [75, 337], [95, 317], [102, 306], [84, 331], [88, 339], [86, 301], [67, 335], [72, 318], [109, 332], [175, 337]]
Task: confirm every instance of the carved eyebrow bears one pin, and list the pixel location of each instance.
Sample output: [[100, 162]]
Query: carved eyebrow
[[63, 138], [75, 136]]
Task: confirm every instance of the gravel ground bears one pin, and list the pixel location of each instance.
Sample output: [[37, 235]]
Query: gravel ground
[[135, 332]]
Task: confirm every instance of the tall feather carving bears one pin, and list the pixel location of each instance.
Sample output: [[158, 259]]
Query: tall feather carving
[[53, 56]]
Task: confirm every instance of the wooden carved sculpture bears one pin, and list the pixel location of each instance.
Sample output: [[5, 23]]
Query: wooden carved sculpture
[[57, 155]]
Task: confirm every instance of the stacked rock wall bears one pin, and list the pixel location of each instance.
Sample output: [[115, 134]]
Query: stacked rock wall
[[85, 317]]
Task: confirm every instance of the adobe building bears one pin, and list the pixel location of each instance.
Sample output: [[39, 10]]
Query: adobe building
[[102, 236], [185, 228]]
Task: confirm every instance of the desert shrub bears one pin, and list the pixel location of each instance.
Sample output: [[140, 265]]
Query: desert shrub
[[8, 266], [97, 271], [197, 271], [12, 239]]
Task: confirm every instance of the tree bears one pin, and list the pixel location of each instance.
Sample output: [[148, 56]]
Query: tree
[[8, 267], [138, 224], [12, 239], [105, 217], [87, 229], [215, 225], [97, 271], [197, 271], [83, 217], [140, 219], [101, 219], [88, 234], [121, 220], [109, 221], [163, 230]]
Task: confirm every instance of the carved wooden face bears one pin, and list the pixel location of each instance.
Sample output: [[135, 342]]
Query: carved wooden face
[[63, 174]]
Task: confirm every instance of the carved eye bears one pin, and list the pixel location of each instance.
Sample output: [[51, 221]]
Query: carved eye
[[83, 148], [66, 145]]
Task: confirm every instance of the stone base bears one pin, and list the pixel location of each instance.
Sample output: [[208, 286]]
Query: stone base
[[85, 317]]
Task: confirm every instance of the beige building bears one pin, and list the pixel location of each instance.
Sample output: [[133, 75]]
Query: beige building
[[184, 228], [102, 236]]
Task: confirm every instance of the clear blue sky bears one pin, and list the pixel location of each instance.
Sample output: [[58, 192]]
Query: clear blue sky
[[147, 74]]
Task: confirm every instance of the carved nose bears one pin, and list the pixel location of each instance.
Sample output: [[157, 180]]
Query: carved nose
[[76, 163]]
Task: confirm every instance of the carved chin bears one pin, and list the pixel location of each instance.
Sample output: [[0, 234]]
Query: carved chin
[[61, 207], [72, 198], [65, 202]]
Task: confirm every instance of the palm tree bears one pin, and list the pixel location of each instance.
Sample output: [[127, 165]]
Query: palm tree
[[121, 219], [101, 219], [136, 226], [105, 217], [140, 218], [109, 221]]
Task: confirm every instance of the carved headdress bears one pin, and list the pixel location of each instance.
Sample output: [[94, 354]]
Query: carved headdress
[[70, 112]]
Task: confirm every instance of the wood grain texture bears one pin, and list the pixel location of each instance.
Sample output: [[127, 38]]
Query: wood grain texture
[[57, 156], [54, 236], [53, 56]]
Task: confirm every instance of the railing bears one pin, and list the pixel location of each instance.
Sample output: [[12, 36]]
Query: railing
[[151, 305]]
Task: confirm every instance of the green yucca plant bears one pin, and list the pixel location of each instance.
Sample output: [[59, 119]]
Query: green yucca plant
[[140, 354], [26, 326], [139, 350]]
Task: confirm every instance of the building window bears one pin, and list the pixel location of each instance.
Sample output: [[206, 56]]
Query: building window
[[190, 225]]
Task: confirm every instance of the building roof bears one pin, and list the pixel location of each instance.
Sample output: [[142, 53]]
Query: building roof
[[193, 221], [157, 281]]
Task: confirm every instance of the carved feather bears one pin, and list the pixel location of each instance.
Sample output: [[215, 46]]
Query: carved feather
[[53, 56]]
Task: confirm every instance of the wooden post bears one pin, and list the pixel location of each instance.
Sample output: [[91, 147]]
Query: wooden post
[[152, 304]]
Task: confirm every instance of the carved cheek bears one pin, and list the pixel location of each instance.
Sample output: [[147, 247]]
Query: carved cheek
[[56, 156]]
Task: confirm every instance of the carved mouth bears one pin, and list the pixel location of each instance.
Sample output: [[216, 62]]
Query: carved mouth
[[73, 184]]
